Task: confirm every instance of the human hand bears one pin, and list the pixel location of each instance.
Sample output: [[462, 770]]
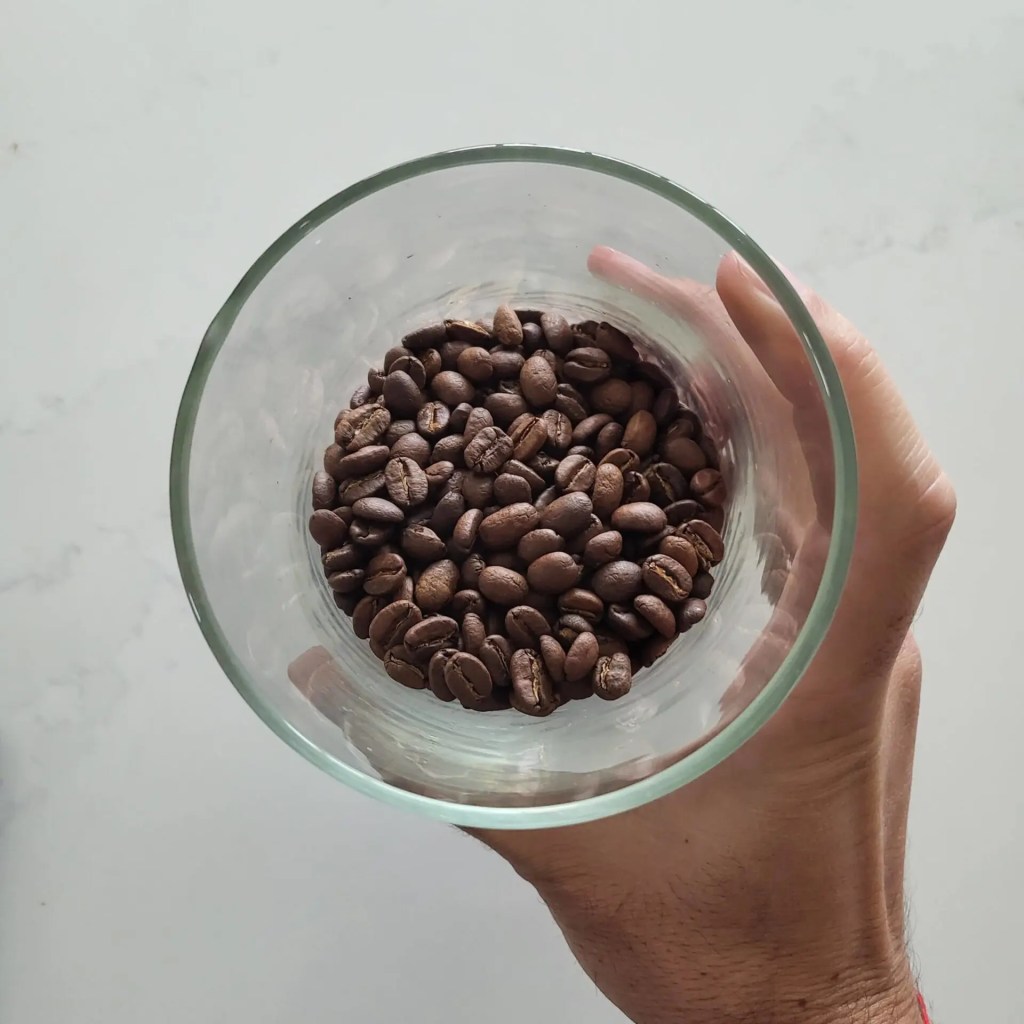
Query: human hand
[[772, 887]]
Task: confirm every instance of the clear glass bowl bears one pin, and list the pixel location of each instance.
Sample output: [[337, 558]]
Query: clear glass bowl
[[452, 235]]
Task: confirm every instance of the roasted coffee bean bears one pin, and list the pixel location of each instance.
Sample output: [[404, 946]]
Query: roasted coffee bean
[[425, 337], [708, 487], [525, 625], [474, 364], [617, 581], [427, 637], [613, 341], [402, 394], [325, 491], [478, 489], [702, 584], [609, 437], [581, 657], [575, 473], [568, 514], [587, 429], [612, 396], [585, 603], [378, 510], [640, 433], [504, 528], [447, 511], [488, 450], [464, 532], [357, 487], [364, 613], [578, 543], [667, 484], [553, 656], [652, 649], [682, 551], [503, 586], [389, 626], [422, 543], [612, 677], [406, 592], [473, 633], [431, 360], [452, 387], [544, 466], [363, 426], [570, 403], [627, 623], [537, 543], [412, 446], [528, 434], [569, 627], [529, 316], [467, 330], [359, 463], [587, 365], [334, 456], [657, 613], [471, 569], [467, 677], [538, 382], [664, 576], [393, 354], [506, 364], [692, 611], [582, 449], [648, 544], [406, 483], [509, 489], [345, 556], [409, 365], [361, 396], [559, 429], [327, 529], [385, 574], [369, 535], [554, 573], [624, 459], [468, 600], [450, 449], [460, 417], [437, 585], [666, 406], [681, 512], [432, 419], [641, 516], [398, 428], [706, 541], [533, 691], [548, 495], [635, 487], [399, 664], [609, 644], [505, 407], [450, 352], [507, 328], [684, 453], [435, 675], [557, 333], [607, 489], [496, 654], [477, 420], [643, 396]]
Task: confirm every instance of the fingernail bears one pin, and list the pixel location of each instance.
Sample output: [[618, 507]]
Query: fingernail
[[752, 276]]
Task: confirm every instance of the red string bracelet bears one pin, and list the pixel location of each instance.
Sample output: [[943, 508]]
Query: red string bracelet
[[924, 1009]]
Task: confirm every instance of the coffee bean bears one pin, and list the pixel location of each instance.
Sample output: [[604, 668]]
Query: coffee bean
[[431, 360], [680, 549], [466, 330], [654, 648], [424, 639], [684, 453], [447, 512], [478, 489], [398, 664], [369, 535], [392, 354], [553, 657], [464, 532], [692, 612], [581, 657], [406, 592], [559, 429], [554, 573], [449, 449], [657, 613], [407, 364], [361, 396], [575, 473], [641, 516], [362, 426], [422, 543], [467, 677], [616, 343], [612, 396], [607, 490], [468, 600], [406, 483], [325, 491], [450, 352], [612, 677], [477, 420], [327, 529], [452, 387], [582, 449], [435, 675], [460, 417], [569, 627], [681, 512], [587, 365], [412, 446], [568, 514], [496, 654], [570, 403], [364, 612], [528, 434], [544, 465], [509, 489], [538, 381], [378, 510], [488, 450], [367, 460], [505, 407], [533, 691], [666, 406], [474, 632], [702, 584], [506, 364], [624, 459], [437, 585], [385, 573], [578, 543], [609, 437], [503, 586], [503, 529], [334, 455], [585, 603], [667, 484], [537, 543], [471, 569], [708, 487], [635, 487], [617, 581], [588, 428], [640, 433], [627, 623], [548, 495], [525, 625], [706, 541], [667, 578], [345, 556], [507, 328], [389, 626], [432, 419], [425, 337], [474, 364], [643, 396], [397, 429], [402, 394]]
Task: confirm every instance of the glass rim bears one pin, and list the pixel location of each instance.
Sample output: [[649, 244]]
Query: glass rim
[[811, 633]]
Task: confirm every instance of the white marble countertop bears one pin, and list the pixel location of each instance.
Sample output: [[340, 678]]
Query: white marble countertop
[[163, 857]]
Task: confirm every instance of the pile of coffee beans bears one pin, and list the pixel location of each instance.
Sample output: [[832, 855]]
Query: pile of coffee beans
[[519, 513]]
